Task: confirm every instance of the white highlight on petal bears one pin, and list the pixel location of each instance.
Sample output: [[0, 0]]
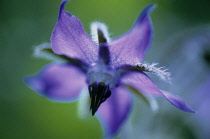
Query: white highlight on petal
[[153, 103], [38, 49], [95, 26], [42, 51], [160, 72], [84, 104]]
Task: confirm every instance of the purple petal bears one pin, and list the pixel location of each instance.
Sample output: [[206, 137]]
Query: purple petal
[[178, 102], [58, 82], [114, 111], [144, 84], [69, 38], [132, 46], [141, 82]]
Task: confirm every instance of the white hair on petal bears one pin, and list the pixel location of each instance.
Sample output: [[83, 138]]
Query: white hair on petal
[[83, 104], [38, 49], [94, 31], [44, 50], [160, 72]]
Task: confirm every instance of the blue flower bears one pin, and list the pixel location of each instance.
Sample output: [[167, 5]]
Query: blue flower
[[108, 68]]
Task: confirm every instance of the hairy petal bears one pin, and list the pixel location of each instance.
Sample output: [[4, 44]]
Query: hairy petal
[[132, 46], [99, 32], [69, 38], [58, 82], [114, 111], [144, 84]]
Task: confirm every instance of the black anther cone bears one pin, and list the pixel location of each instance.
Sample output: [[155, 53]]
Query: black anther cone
[[99, 92]]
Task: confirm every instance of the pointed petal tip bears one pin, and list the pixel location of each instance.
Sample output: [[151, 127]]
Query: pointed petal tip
[[63, 3], [33, 83], [26, 81], [147, 10], [192, 111], [178, 102], [189, 109], [150, 7], [61, 10]]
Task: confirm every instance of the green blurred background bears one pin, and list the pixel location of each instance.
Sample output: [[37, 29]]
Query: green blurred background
[[27, 23]]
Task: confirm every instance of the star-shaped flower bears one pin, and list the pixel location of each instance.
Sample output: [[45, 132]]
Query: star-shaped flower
[[108, 68]]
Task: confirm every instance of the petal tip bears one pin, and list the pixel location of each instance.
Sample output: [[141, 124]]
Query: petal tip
[[148, 9], [62, 5], [178, 102], [33, 83], [146, 12], [191, 110]]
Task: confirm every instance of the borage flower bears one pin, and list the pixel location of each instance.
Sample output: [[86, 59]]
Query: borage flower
[[108, 68]]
